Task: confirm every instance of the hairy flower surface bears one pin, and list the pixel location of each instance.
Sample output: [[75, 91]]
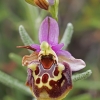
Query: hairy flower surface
[[44, 4], [49, 67]]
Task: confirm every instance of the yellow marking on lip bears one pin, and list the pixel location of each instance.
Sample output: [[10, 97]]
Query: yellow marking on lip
[[56, 78], [61, 67], [62, 83], [32, 66], [41, 84], [44, 94]]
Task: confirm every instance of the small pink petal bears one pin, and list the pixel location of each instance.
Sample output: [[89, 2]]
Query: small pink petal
[[76, 64], [57, 47], [36, 46], [63, 53], [49, 31]]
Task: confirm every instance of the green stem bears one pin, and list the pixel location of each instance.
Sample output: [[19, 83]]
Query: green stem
[[54, 10]]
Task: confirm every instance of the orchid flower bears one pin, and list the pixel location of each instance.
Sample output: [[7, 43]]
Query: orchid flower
[[44, 4], [49, 67]]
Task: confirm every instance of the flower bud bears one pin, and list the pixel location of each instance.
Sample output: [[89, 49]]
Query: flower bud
[[44, 4]]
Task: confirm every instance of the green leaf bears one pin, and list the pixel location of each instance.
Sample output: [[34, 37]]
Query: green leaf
[[86, 85], [81, 76], [16, 58], [67, 35], [13, 83], [82, 97], [25, 37]]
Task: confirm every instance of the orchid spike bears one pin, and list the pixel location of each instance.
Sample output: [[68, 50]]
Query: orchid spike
[[44, 4], [49, 67]]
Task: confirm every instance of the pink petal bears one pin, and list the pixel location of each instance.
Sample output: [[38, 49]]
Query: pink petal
[[36, 46], [63, 53], [75, 64], [57, 47], [49, 31], [51, 2]]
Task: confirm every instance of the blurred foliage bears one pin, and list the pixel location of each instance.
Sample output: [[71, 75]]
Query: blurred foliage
[[85, 42]]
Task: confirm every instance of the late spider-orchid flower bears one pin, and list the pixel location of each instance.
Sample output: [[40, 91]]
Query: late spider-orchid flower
[[44, 4], [49, 67]]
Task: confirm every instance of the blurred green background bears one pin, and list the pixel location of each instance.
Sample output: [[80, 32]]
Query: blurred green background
[[85, 43]]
